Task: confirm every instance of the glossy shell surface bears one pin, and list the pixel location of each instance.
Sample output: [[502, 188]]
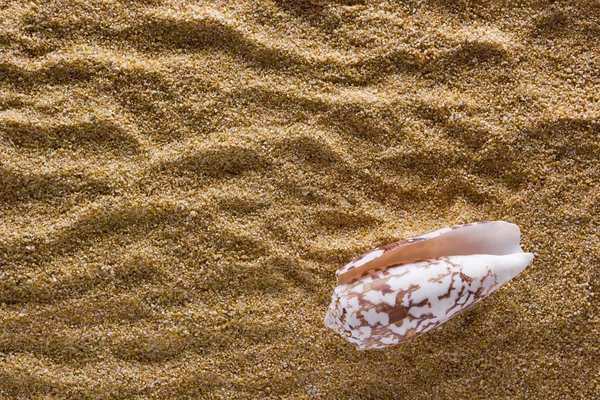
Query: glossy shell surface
[[399, 291]]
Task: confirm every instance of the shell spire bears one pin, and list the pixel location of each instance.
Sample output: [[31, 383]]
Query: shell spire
[[404, 289]]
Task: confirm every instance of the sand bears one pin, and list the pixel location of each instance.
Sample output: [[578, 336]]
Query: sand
[[180, 180]]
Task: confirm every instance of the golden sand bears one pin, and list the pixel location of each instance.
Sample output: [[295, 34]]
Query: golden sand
[[180, 180]]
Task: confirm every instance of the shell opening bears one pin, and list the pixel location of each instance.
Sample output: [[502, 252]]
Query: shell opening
[[492, 238]]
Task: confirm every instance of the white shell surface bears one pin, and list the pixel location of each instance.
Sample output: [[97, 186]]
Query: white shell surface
[[391, 304]]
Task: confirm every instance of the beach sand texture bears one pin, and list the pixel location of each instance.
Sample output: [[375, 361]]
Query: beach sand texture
[[179, 181]]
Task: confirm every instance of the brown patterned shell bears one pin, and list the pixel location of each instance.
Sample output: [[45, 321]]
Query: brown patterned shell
[[404, 289]]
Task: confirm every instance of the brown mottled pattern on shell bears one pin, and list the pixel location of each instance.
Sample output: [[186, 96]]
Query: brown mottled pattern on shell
[[381, 335]]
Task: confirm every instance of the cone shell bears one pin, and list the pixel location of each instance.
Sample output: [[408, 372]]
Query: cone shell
[[399, 291]]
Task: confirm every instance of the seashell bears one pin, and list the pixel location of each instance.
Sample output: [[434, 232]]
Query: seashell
[[404, 289]]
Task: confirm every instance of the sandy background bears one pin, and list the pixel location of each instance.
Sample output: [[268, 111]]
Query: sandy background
[[179, 181]]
